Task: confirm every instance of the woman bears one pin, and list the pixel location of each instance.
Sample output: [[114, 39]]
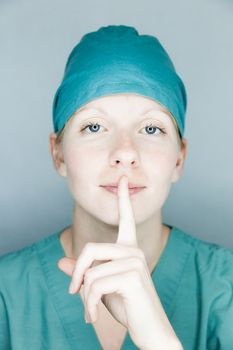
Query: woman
[[119, 140]]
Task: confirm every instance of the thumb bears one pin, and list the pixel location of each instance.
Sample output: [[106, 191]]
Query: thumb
[[67, 265]]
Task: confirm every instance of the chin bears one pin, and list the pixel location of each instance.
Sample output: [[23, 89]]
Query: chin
[[111, 217]]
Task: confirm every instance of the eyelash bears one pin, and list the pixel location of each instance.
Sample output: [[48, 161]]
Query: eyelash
[[162, 130]]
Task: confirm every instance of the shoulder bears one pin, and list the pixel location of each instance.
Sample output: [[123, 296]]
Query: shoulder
[[21, 264], [14, 263], [210, 267], [210, 258]]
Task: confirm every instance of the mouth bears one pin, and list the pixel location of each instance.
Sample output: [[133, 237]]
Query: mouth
[[114, 189], [130, 185]]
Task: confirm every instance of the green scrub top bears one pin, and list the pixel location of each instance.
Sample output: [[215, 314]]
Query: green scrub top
[[193, 278]]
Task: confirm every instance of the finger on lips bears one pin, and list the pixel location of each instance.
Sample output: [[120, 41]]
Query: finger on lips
[[127, 230]]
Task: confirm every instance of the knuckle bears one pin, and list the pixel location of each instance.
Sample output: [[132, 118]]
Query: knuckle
[[88, 276], [88, 246], [137, 263], [134, 277], [95, 287], [140, 254], [140, 265], [87, 250]]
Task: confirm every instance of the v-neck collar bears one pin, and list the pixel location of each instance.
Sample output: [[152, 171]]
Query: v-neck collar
[[70, 310]]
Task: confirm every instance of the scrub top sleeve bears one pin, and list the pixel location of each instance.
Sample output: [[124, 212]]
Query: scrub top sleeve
[[221, 313], [4, 329]]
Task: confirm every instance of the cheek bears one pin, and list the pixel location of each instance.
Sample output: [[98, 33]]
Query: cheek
[[163, 163], [81, 165], [160, 170]]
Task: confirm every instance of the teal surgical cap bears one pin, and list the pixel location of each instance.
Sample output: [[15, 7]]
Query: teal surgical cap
[[116, 59]]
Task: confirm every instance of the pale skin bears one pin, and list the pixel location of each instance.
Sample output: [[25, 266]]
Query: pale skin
[[116, 240]]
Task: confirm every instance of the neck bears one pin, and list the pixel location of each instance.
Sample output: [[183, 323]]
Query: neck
[[152, 235]]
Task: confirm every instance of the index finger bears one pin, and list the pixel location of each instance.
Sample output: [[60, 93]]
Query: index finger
[[127, 228]]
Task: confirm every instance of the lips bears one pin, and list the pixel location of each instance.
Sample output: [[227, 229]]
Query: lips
[[130, 185], [114, 189]]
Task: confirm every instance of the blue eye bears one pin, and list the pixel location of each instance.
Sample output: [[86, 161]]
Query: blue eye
[[150, 127], [156, 129], [90, 125]]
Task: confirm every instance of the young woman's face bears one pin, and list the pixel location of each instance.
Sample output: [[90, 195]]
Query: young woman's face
[[115, 135]]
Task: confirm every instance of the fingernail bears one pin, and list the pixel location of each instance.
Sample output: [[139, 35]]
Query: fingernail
[[72, 288], [87, 317], [93, 315]]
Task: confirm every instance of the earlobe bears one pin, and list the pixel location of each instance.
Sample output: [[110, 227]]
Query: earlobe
[[180, 162], [57, 156], [61, 167]]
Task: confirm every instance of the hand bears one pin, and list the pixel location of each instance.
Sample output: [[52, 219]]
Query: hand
[[123, 283]]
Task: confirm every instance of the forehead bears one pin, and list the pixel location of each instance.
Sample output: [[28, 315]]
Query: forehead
[[128, 103]]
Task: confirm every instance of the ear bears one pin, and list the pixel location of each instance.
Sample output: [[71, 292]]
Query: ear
[[180, 161], [57, 155]]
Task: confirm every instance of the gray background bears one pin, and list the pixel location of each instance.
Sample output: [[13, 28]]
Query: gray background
[[35, 40]]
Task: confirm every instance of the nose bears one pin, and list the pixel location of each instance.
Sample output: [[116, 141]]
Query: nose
[[124, 153]]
